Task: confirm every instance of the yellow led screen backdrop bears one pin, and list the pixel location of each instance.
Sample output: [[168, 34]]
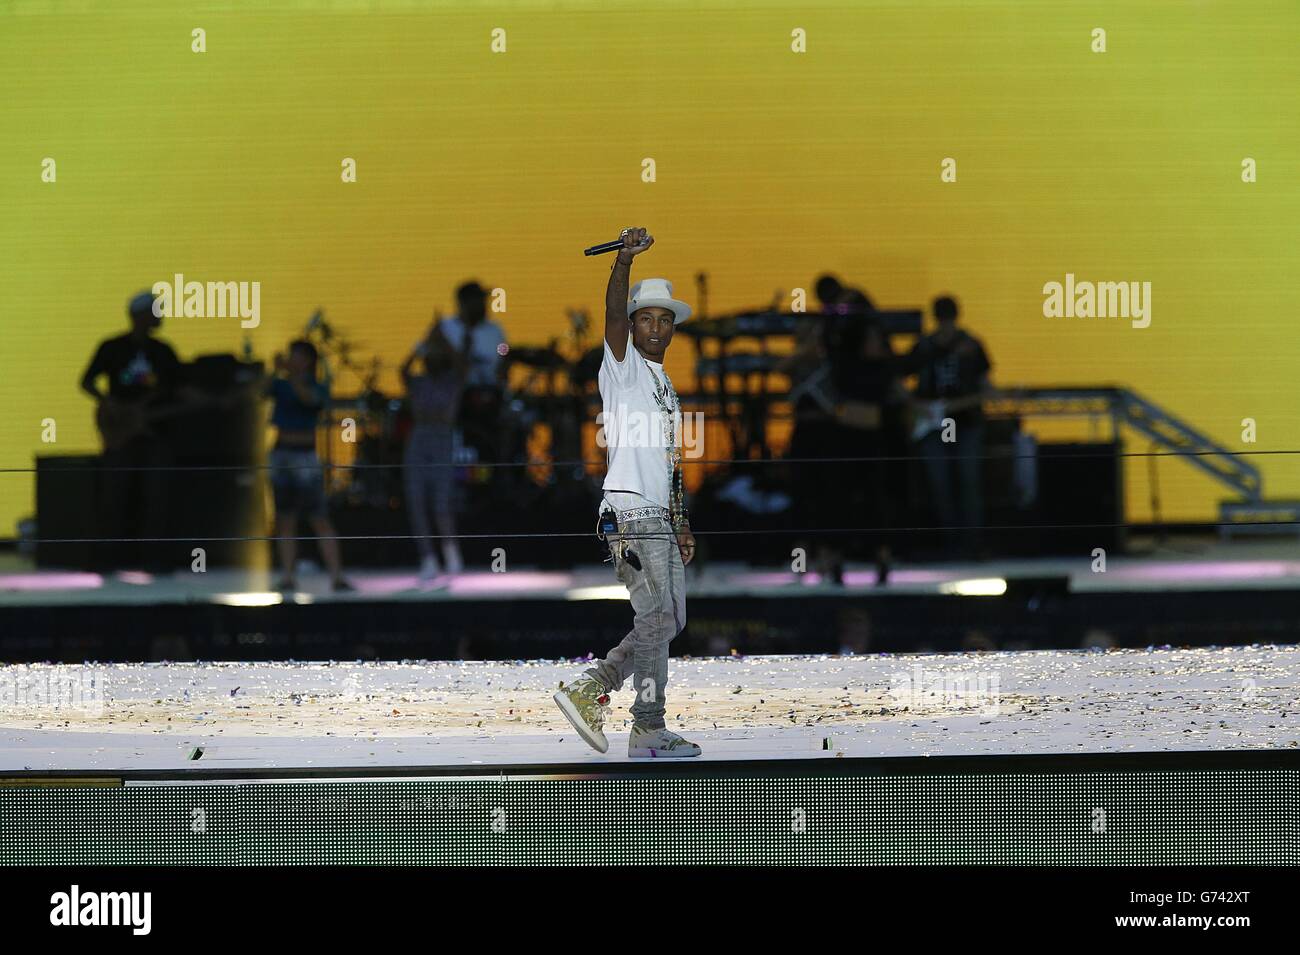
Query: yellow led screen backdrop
[[983, 149]]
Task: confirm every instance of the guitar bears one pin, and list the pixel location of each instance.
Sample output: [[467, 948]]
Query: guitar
[[927, 416], [119, 421], [858, 414]]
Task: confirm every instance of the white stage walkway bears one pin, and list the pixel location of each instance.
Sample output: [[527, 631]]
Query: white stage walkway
[[471, 714]]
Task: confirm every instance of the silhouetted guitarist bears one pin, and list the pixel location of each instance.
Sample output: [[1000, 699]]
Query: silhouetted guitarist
[[142, 373], [952, 370]]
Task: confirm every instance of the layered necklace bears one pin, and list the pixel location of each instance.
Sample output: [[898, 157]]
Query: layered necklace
[[666, 399]]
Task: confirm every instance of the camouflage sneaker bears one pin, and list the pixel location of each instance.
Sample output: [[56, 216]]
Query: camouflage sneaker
[[586, 704], [658, 744]]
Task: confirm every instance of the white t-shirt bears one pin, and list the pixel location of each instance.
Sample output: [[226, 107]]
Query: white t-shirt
[[484, 353], [642, 422]]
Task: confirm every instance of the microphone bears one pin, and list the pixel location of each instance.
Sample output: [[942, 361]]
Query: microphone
[[606, 246]]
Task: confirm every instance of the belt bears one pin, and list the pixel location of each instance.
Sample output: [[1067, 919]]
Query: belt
[[640, 513], [636, 513]]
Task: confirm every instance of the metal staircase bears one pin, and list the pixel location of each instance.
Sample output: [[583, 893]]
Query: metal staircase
[[1248, 513]]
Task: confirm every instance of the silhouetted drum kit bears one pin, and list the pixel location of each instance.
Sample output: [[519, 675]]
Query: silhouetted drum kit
[[495, 426]]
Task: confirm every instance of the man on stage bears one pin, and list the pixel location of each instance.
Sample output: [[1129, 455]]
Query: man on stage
[[643, 509], [144, 379]]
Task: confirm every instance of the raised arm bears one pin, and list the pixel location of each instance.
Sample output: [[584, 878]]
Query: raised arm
[[635, 241], [437, 344]]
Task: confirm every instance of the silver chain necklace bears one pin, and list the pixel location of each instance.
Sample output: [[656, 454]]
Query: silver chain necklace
[[666, 399]]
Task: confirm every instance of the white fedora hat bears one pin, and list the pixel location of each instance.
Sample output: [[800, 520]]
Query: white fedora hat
[[657, 292]]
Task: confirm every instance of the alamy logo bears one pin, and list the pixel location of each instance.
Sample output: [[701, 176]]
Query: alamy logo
[[103, 908], [1073, 299], [622, 427], [924, 689], [182, 299], [80, 690]]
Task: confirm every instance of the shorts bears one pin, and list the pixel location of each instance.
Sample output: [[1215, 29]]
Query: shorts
[[297, 481]]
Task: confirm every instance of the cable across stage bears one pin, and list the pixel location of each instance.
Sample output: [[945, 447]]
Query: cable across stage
[[597, 463], [696, 532]]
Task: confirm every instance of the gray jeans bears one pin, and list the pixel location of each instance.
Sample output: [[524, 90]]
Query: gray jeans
[[429, 484], [658, 592]]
